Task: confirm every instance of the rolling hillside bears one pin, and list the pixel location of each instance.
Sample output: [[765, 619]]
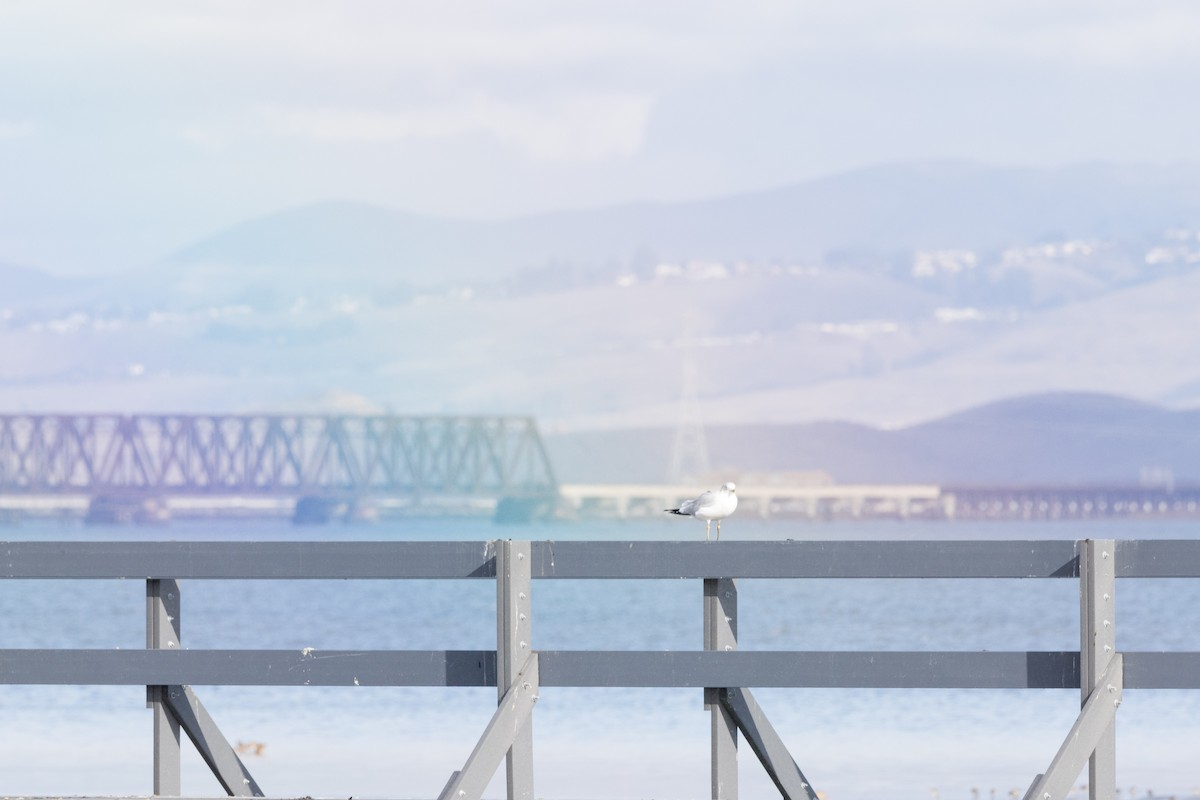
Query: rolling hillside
[[1050, 439], [884, 298], [880, 213]]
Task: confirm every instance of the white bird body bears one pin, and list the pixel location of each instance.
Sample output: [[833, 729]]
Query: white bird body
[[710, 507]]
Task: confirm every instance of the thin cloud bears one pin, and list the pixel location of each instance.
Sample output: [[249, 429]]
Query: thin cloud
[[13, 130], [577, 128], [209, 138], [448, 41], [238, 108], [1078, 33]]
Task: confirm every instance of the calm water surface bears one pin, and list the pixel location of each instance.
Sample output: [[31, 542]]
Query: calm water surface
[[597, 743]]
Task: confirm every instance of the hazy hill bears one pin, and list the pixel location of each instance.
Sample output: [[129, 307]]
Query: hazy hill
[[874, 216], [1059, 438], [886, 297], [354, 241], [1064, 438], [21, 285]]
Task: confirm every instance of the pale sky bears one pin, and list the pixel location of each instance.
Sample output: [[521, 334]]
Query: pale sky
[[129, 128]]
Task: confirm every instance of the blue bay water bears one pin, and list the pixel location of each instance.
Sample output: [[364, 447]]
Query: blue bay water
[[597, 743]]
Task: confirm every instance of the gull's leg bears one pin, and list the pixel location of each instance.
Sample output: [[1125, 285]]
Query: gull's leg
[[718, 530], [707, 529]]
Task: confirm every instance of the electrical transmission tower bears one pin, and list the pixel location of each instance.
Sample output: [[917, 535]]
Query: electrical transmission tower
[[689, 456]]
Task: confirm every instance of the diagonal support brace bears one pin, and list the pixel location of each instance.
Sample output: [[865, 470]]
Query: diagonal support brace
[[767, 745], [1094, 720], [212, 745], [510, 718]]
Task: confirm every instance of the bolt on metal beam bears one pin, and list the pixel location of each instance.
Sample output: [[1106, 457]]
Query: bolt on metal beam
[[514, 627], [163, 632]]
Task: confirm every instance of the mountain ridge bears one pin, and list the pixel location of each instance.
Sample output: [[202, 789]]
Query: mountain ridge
[[882, 209], [1015, 441], [283, 314]]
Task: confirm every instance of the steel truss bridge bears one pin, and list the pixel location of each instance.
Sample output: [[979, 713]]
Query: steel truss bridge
[[273, 456]]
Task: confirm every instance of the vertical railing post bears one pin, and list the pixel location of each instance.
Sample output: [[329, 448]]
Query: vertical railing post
[[720, 633], [1098, 644], [513, 646], [162, 632]]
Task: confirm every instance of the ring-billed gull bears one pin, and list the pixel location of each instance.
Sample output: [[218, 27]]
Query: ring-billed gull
[[709, 506]]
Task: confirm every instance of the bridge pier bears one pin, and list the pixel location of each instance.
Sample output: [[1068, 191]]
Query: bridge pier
[[319, 510], [811, 502], [126, 509]]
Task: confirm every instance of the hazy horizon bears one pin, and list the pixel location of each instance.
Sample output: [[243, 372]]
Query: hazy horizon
[[131, 129], [183, 150]]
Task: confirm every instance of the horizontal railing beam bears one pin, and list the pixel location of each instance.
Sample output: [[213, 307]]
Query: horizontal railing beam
[[250, 560], [661, 560], [1158, 558], [821, 669], [806, 559], [584, 668], [1161, 670], [250, 667]]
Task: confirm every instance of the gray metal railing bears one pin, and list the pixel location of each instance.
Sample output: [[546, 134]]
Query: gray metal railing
[[1099, 669]]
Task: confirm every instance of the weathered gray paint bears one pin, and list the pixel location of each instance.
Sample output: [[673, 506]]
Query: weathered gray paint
[[1158, 558], [514, 644], [250, 667], [1162, 670], [450, 560], [816, 669], [1092, 670], [767, 745], [212, 745], [163, 632], [1085, 735], [595, 668], [720, 636], [511, 717], [806, 559], [1097, 648], [252, 560]]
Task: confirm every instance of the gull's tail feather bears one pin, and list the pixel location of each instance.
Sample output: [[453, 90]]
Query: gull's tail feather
[[674, 511]]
